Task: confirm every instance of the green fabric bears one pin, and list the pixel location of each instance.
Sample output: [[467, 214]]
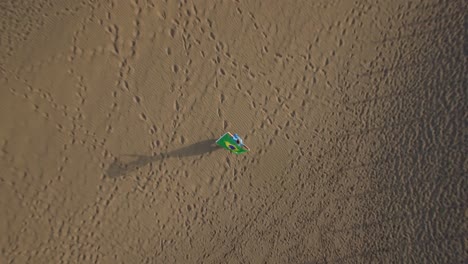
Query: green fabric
[[226, 140]]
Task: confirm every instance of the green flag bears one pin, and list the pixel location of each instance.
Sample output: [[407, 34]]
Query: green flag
[[226, 141]]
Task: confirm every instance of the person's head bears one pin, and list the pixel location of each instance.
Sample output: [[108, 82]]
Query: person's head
[[237, 139]]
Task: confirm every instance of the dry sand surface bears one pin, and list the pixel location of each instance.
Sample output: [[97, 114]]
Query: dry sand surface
[[354, 112]]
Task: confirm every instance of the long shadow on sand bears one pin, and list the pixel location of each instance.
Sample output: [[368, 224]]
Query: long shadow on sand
[[120, 168]]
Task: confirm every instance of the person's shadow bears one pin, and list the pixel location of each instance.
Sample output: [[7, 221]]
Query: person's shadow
[[119, 168]]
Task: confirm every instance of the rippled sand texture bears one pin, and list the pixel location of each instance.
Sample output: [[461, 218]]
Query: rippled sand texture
[[354, 112]]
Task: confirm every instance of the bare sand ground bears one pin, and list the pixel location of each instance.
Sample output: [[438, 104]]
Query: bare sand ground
[[354, 111]]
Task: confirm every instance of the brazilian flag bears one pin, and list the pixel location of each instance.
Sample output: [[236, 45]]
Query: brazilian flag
[[226, 141]]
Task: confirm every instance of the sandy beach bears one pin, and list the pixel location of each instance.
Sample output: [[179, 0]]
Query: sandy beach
[[354, 113]]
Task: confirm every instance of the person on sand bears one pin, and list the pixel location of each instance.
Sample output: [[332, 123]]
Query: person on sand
[[238, 140]]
